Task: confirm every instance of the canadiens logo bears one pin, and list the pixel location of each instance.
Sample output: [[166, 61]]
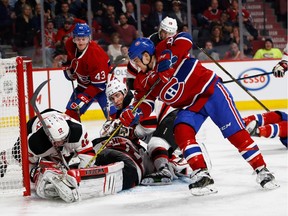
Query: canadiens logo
[[172, 91]]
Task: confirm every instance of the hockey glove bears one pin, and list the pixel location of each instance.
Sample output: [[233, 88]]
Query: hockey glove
[[166, 61], [128, 118], [280, 69], [70, 74], [80, 101], [165, 65]]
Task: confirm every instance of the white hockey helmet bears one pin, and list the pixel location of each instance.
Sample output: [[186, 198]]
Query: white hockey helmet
[[169, 25], [58, 128], [114, 86]]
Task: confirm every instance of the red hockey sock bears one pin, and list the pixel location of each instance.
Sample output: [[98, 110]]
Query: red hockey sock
[[274, 130], [185, 139], [271, 118], [247, 148]]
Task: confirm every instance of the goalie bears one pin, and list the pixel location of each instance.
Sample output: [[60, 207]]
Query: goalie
[[53, 175]]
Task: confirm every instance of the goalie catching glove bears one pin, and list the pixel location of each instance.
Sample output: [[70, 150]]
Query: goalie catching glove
[[280, 69]]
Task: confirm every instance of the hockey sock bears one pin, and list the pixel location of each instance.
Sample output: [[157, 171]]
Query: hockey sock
[[185, 138], [247, 148], [274, 130]]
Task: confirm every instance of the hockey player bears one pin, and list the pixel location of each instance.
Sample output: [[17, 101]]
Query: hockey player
[[198, 93], [270, 124], [49, 154], [162, 143], [125, 145], [89, 64], [280, 69]]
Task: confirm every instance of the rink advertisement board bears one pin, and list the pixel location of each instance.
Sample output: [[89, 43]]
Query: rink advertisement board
[[271, 91]]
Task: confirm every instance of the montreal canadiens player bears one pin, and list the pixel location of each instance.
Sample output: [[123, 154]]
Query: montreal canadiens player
[[89, 64], [198, 93]]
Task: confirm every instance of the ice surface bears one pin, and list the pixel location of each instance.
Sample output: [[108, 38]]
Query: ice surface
[[238, 195]]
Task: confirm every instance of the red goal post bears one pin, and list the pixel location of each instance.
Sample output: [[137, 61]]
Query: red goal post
[[16, 89]]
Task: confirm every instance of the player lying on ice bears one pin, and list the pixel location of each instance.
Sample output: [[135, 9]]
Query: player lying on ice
[[56, 176], [198, 93]]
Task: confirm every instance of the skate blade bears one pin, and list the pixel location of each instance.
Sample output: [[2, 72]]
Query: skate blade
[[271, 185], [209, 189]]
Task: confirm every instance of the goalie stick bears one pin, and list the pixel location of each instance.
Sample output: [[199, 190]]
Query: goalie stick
[[120, 125], [45, 128]]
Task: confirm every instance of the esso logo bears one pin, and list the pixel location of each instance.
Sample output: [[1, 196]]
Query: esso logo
[[254, 83]]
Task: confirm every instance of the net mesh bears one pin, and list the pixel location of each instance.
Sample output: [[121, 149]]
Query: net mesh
[[11, 178]]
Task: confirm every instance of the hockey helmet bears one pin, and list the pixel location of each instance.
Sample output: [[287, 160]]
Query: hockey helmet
[[139, 46], [114, 86], [58, 128], [169, 25], [81, 30]]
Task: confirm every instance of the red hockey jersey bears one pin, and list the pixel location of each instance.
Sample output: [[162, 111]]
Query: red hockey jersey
[[91, 66]]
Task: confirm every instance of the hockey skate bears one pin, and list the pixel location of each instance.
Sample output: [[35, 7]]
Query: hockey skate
[[202, 183], [252, 128], [162, 177], [266, 179]]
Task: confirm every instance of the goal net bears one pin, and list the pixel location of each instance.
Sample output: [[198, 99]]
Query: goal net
[[16, 87]]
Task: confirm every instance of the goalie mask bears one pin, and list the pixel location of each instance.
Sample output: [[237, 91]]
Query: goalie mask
[[58, 129]]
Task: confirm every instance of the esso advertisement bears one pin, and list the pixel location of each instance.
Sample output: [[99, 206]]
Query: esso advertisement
[[264, 87], [252, 79]]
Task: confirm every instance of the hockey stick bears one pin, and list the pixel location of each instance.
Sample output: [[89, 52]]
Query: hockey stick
[[238, 83], [45, 127], [120, 125], [248, 77]]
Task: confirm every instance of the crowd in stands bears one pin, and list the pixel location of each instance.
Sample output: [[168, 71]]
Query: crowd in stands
[[214, 23]]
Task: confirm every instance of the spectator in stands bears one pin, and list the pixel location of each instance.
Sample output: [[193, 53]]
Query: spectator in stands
[[50, 42], [131, 13], [235, 37], [124, 54], [178, 14], [20, 3], [234, 53], [217, 36], [50, 8], [67, 29], [268, 51], [78, 9], [212, 14], [210, 50], [248, 25], [7, 17], [128, 33], [226, 24], [155, 17], [24, 32], [108, 17], [63, 15], [60, 54], [114, 49]]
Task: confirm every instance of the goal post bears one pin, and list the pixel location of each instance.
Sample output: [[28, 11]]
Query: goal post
[[16, 89]]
